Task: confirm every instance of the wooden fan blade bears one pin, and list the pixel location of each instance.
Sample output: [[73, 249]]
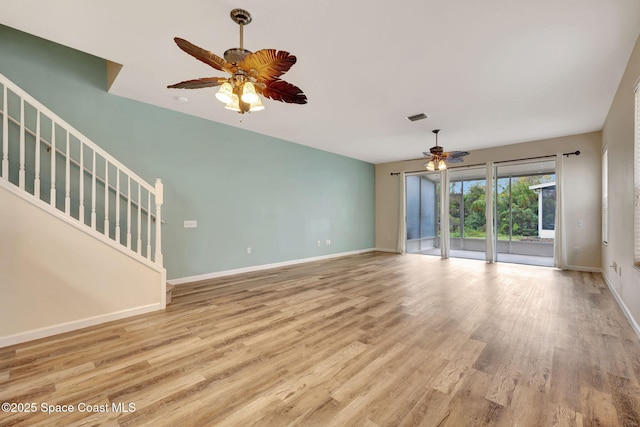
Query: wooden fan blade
[[279, 90], [454, 160], [204, 55], [455, 154], [268, 64], [199, 83]]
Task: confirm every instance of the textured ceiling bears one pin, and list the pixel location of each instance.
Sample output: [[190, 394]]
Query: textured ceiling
[[488, 72]]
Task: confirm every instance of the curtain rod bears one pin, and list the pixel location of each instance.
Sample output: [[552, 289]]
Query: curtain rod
[[574, 153]]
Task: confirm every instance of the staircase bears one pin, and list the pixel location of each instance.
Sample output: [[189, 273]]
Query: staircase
[[78, 229]]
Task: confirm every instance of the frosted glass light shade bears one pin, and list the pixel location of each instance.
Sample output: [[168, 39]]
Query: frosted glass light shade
[[257, 105], [234, 104], [441, 165], [249, 94], [224, 93], [430, 166]]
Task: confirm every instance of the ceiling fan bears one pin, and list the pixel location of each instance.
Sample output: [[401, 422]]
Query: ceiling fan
[[437, 157], [252, 73]]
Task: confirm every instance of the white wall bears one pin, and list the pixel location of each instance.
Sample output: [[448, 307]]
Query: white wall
[[55, 277], [582, 195], [618, 138]]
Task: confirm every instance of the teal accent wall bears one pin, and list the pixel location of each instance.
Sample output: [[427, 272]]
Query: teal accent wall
[[243, 188]]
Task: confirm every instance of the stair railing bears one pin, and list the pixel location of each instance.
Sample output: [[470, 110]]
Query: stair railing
[[40, 150]]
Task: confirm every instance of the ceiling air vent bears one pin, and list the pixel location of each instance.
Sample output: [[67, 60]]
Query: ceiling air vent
[[417, 117]]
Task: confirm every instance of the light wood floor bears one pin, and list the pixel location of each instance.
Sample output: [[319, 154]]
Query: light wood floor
[[372, 340]]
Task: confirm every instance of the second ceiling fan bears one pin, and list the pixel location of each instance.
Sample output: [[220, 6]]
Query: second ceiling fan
[[437, 158]]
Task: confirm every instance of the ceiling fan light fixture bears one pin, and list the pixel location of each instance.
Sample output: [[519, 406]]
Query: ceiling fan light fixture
[[436, 156], [225, 93], [253, 74], [249, 94]]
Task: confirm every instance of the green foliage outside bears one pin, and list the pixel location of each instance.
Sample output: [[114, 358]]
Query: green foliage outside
[[520, 208]]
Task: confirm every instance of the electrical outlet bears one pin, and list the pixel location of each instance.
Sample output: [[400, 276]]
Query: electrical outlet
[[249, 250], [327, 242], [191, 224], [319, 243]]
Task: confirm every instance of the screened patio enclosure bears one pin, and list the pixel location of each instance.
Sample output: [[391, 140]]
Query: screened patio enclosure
[[523, 204]]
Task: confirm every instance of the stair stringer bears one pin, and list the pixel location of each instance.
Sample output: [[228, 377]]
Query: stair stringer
[[58, 275]]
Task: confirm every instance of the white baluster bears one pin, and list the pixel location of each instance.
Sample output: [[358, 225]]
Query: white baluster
[[36, 180], [106, 197], [93, 191], [159, 201], [22, 155], [128, 212], [81, 185], [53, 164], [149, 225], [117, 205], [153, 244], [139, 242], [67, 180], [5, 135]]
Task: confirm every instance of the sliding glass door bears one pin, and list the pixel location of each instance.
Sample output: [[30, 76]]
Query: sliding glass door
[[422, 213], [467, 224], [525, 213], [523, 208], [467, 220]]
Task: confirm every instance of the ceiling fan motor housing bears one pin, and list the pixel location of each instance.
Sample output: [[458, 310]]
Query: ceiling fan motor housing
[[235, 54], [436, 150]]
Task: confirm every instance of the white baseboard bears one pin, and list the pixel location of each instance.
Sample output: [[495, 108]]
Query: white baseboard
[[207, 276], [623, 307], [395, 251], [74, 325], [582, 268]]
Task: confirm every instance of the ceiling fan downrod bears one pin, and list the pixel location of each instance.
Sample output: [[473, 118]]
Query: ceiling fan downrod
[[436, 131], [242, 18], [237, 54]]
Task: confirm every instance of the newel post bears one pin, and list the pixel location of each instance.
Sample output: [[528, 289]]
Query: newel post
[[159, 201]]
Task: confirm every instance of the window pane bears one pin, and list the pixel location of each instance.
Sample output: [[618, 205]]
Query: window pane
[[503, 208], [548, 208], [518, 215], [474, 209], [455, 204], [413, 206], [428, 208]]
